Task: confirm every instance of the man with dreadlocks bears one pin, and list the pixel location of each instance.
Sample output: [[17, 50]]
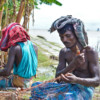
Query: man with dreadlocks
[[77, 60], [22, 57]]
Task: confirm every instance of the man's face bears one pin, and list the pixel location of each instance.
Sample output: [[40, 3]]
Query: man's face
[[68, 39]]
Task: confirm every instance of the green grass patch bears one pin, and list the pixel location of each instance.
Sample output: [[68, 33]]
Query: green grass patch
[[43, 77], [55, 44], [44, 60]]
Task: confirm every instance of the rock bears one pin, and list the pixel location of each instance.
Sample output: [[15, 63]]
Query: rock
[[54, 57], [42, 37]]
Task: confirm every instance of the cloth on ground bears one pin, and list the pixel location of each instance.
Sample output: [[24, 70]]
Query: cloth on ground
[[57, 91]]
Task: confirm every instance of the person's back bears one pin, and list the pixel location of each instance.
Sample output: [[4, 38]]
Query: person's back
[[25, 63], [18, 51]]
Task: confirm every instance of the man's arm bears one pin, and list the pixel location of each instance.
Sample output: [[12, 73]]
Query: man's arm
[[78, 60], [94, 71], [8, 67], [62, 62]]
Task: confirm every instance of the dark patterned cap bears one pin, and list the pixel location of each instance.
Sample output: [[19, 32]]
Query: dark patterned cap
[[77, 25]]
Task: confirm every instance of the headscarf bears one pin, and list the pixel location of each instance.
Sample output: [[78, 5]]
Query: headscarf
[[78, 26], [12, 34]]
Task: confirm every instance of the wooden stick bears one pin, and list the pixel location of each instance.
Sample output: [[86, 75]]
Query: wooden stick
[[52, 80]]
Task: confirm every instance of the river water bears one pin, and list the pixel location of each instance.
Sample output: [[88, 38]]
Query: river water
[[93, 36]]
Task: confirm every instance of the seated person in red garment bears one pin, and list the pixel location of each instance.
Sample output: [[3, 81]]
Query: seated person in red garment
[[22, 57]]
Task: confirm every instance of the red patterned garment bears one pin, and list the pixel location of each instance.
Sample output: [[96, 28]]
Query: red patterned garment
[[12, 34]]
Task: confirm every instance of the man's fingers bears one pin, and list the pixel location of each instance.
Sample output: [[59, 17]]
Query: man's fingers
[[69, 74], [62, 75], [64, 78], [82, 55]]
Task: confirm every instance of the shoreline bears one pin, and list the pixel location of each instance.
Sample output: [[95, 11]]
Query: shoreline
[[93, 36]]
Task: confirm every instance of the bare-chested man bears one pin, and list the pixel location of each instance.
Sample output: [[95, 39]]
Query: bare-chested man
[[85, 67], [22, 57], [78, 60]]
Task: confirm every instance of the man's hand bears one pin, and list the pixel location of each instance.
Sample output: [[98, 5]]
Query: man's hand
[[79, 60], [70, 78]]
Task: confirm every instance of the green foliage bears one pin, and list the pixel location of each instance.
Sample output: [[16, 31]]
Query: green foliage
[[5, 5], [1, 7], [8, 9], [10, 6], [1, 4], [17, 4], [50, 2], [11, 9], [34, 3]]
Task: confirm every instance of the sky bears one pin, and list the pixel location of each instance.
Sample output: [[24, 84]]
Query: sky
[[86, 10]]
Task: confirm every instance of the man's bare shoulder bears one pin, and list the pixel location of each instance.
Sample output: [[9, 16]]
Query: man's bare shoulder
[[90, 50], [92, 54], [15, 48], [64, 50]]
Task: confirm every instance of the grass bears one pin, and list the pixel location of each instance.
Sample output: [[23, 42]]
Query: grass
[[24, 96], [97, 93], [44, 60], [55, 44], [42, 77]]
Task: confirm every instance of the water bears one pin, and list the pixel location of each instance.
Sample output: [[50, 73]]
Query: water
[[93, 36], [53, 37]]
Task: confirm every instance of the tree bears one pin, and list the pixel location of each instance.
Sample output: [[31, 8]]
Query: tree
[[1, 11], [14, 10], [21, 9]]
